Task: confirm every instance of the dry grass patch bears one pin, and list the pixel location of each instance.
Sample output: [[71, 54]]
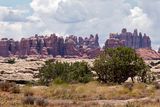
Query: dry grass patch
[[78, 92], [96, 91]]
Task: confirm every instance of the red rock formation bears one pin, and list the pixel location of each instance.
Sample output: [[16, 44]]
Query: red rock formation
[[70, 47], [52, 45], [132, 40], [24, 47], [92, 53], [112, 43], [4, 47], [148, 54]]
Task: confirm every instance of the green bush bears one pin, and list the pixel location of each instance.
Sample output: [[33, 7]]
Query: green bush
[[116, 65], [64, 72], [11, 61]]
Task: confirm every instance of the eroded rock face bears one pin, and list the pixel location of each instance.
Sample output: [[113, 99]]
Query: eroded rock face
[[148, 54], [159, 50], [132, 40], [50, 45]]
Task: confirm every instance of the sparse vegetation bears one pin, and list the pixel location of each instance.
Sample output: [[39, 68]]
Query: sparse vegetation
[[97, 91], [42, 96], [116, 65]]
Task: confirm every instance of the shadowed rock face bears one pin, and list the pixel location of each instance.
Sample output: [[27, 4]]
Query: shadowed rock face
[[52, 45], [132, 40]]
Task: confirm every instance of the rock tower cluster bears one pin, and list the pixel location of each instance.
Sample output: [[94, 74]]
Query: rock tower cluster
[[51, 45], [133, 40]]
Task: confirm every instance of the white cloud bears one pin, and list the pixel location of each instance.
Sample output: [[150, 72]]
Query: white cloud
[[8, 29], [151, 8], [138, 19], [82, 17], [12, 15]]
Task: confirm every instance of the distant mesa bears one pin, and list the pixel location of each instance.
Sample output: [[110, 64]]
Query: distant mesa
[[133, 40]]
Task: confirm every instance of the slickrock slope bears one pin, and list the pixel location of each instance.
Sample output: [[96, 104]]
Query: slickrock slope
[[132, 40], [53, 45], [21, 71], [148, 54]]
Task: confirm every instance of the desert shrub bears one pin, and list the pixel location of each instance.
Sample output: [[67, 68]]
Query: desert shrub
[[80, 72], [29, 100], [116, 65], [64, 72], [41, 102], [9, 87]]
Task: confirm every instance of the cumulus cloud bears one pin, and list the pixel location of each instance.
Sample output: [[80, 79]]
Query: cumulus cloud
[[70, 12], [8, 29], [12, 15], [10, 22], [82, 17], [151, 8], [139, 19]]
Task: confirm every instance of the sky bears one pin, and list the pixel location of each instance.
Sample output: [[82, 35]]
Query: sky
[[24, 18]]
